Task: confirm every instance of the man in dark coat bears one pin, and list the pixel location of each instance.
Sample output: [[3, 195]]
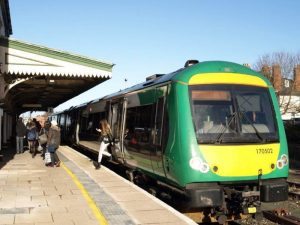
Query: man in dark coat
[[53, 143], [20, 134]]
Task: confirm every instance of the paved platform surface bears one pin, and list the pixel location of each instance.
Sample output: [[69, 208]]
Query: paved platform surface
[[74, 194]]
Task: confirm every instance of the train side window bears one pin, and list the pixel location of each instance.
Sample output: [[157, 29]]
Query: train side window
[[117, 112], [88, 125], [139, 124]]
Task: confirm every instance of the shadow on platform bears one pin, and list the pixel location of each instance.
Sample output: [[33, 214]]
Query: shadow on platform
[[8, 153]]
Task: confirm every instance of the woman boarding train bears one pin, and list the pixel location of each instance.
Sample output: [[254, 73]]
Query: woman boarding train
[[105, 140]]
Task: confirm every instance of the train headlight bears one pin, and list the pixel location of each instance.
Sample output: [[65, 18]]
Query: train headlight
[[283, 161], [204, 168], [279, 164], [197, 164]]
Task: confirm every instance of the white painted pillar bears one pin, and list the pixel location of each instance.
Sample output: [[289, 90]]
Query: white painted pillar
[[1, 114]]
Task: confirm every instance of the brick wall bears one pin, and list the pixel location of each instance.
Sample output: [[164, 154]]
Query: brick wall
[[277, 78], [297, 78]]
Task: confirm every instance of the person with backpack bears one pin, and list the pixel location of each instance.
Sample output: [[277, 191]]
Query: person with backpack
[[37, 124], [32, 137]]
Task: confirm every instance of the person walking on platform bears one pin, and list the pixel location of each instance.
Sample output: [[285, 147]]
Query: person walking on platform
[[20, 134], [53, 143], [32, 137], [37, 124], [105, 140], [43, 137]]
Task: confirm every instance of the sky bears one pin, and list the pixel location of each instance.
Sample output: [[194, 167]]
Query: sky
[[143, 37]]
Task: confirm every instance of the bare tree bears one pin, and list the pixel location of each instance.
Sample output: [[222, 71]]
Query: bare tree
[[287, 62]]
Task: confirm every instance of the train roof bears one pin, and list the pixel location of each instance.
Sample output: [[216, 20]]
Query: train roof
[[185, 73], [182, 74]]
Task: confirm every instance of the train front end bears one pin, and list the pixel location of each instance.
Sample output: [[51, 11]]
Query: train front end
[[233, 148]]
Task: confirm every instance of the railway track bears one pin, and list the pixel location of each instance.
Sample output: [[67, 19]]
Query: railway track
[[294, 190], [281, 217]]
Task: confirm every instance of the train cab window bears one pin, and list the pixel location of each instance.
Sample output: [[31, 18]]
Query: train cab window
[[211, 108], [254, 113], [232, 113]]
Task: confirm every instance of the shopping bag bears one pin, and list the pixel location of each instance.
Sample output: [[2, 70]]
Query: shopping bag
[[47, 158], [40, 148], [43, 139]]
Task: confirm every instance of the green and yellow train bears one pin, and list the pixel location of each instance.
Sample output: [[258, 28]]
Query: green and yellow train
[[211, 131]]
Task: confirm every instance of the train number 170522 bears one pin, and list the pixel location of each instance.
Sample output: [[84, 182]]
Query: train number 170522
[[264, 150]]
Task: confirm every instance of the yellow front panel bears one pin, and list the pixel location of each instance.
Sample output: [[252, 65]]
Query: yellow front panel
[[227, 78], [241, 160]]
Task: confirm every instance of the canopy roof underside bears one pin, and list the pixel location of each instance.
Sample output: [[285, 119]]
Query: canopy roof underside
[[37, 77]]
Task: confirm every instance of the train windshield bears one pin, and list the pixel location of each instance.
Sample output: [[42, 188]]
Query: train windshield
[[233, 114]]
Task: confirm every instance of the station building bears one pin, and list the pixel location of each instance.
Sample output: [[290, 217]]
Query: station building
[[38, 78], [287, 89]]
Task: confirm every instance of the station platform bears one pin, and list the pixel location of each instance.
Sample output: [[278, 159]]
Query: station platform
[[74, 194]]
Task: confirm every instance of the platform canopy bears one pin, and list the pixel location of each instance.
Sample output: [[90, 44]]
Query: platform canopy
[[36, 78]]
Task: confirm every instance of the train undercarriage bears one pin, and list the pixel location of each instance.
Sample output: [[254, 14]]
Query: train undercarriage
[[216, 202]]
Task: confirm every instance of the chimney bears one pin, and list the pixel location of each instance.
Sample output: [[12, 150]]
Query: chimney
[[297, 78], [277, 77], [266, 71]]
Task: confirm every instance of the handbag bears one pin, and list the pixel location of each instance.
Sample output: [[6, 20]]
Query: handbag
[[47, 158], [40, 148], [43, 139]]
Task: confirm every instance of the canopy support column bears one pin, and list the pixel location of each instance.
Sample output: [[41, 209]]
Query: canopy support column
[[1, 114]]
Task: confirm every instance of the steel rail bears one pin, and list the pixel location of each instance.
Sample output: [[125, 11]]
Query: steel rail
[[283, 219]]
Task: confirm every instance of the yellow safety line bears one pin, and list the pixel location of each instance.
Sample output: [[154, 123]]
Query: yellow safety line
[[99, 216]]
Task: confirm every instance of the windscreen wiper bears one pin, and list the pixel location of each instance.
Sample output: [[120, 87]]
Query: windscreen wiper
[[220, 135], [258, 134]]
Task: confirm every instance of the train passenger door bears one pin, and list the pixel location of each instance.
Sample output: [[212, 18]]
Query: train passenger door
[[158, 131], [117, 121]]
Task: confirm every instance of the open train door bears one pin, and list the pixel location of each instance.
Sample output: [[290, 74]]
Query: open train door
[[117, 121]]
